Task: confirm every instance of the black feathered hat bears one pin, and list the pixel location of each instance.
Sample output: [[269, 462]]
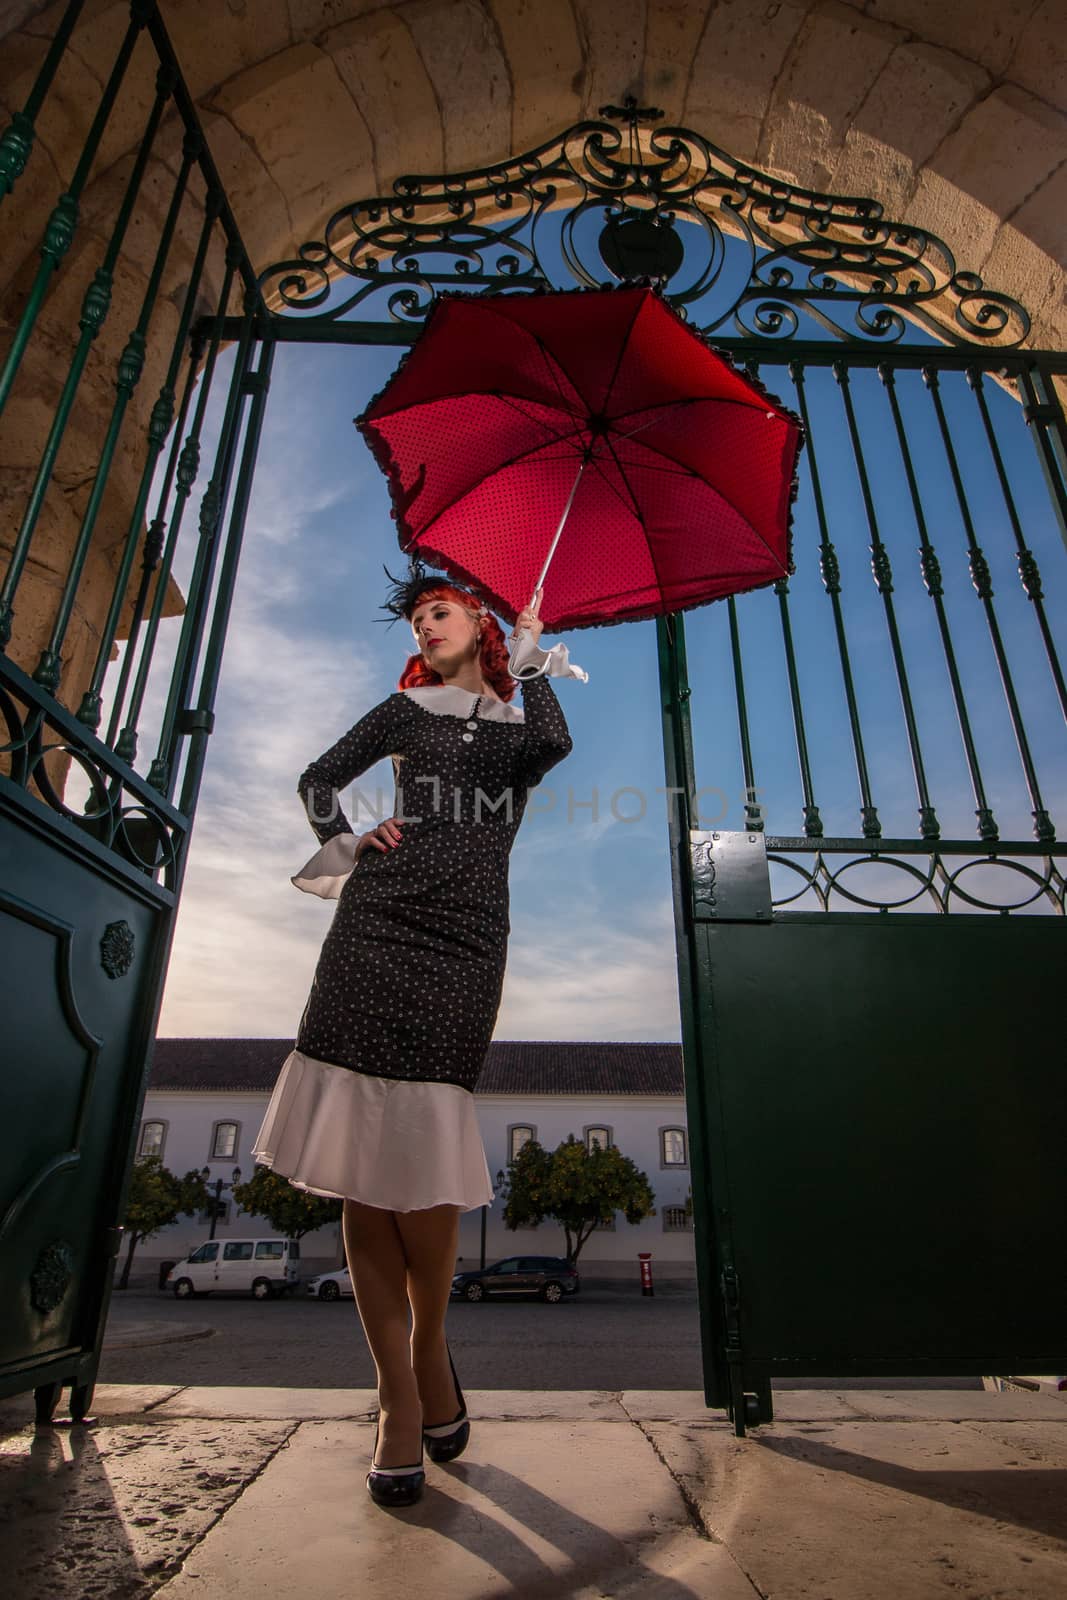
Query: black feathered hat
[[406, 592]]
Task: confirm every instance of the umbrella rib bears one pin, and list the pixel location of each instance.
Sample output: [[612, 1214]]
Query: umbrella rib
[[626, 481], [502, 466], [593, 462], [692, 400], [622, 351], [689, 472], [516, 404], [742, 516]]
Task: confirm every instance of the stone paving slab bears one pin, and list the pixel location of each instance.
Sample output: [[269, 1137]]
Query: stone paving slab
[[311, 1405], [537, 1509], [637, 1496], [868, 1509], [954, 1405], [110, 1511]]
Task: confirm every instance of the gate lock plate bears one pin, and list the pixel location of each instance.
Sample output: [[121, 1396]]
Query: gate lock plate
[[731, 877]]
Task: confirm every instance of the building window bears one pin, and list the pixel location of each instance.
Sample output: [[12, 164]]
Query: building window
[[597, 1138], [673, 1147], [519, 1134], [152, 1136], [606, 1224], [676, 1220], [219, 1210], [224, 1141]]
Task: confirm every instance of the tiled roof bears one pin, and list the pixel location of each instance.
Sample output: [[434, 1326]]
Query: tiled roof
[[514, 1066]]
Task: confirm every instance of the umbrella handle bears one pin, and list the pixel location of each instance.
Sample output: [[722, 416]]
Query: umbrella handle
[[552, 548]]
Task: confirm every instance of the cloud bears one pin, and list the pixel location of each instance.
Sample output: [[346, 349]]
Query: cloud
[[573, 976]]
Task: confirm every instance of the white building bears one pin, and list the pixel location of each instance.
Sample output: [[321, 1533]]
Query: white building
[[206, 1099]]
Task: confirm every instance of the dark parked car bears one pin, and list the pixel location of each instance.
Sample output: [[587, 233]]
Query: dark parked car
[[550, 1277]]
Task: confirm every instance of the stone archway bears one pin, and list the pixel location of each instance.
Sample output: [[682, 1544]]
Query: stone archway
[[954, 116]]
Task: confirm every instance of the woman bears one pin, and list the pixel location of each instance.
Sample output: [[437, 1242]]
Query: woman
[[375, 1104]]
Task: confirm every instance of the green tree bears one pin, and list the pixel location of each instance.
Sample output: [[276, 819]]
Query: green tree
[[576, 1187], [292, 1212], [156, 1199]]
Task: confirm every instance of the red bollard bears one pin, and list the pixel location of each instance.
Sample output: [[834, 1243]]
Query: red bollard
[[645, 1258]]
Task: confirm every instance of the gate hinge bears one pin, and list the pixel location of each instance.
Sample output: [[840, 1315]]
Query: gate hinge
[[731, 876], [730, 1289]]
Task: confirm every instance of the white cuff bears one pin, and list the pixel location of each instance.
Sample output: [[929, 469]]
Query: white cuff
[[329, 868], [528, 660]]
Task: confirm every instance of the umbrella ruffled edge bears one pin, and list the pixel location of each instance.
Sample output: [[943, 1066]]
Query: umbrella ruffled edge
[[399, 497]]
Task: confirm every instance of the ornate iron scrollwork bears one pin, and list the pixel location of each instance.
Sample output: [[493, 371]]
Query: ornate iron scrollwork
[[939, 884], [40, 742], [117, 946], [654, 201], [51, 1275]]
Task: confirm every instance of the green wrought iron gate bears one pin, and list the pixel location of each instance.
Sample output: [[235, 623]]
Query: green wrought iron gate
[[873, 1082], [92, 850]]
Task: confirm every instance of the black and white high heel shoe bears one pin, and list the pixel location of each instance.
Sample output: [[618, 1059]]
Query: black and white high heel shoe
[[446, 1441], [394, 1486]]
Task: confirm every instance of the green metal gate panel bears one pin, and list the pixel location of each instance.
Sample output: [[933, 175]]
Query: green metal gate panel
[[886, 1128], [79, 967]]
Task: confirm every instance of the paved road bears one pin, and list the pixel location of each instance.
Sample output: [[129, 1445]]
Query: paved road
[[605, 1339]]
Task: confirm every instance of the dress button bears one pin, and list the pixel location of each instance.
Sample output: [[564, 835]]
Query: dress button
[[468, 738], [472, 724]]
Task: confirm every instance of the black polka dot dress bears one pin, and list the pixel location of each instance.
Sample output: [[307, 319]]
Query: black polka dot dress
[[375, 1103]]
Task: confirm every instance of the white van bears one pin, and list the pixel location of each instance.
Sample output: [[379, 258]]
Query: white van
[[264, 1267]]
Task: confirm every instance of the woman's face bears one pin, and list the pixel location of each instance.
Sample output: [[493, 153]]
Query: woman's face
[[447, 634]]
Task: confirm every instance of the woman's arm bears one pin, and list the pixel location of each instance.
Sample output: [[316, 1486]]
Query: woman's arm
[[372, 738], [548, 738]]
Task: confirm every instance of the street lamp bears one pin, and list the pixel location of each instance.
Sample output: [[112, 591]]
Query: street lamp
[[220, 1184], [485, 1211]]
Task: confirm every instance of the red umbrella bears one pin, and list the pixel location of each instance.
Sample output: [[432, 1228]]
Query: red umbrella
[[516, 414]]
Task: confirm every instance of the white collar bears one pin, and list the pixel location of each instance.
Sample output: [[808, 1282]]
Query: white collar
[[447, 699]]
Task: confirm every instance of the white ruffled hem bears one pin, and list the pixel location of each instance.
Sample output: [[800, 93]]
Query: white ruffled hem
[[387, 1142], [528, 660]]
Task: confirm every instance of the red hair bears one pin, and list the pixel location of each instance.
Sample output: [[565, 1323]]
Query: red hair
[[493, 656]]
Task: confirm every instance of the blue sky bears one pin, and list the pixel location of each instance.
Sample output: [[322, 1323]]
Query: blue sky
[[592, 945]]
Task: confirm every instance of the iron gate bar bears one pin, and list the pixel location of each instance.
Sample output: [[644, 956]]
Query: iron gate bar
[[831, 577], [130, 367], [257, 385], [95, 309], [1029, 571], [95, 306], [753, 814], [883, 578], [163, 773], [59, 232], [932, 581], [983, 586], [161, 423], [185, 459], [1048, 427], [188, 469], [812, 819], [16, 142]]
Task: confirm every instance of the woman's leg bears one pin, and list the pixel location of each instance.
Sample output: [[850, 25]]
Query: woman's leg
[[430, 1240], [379, 1268]]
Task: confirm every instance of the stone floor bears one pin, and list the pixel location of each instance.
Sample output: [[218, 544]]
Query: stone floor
[[231, 1494]]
